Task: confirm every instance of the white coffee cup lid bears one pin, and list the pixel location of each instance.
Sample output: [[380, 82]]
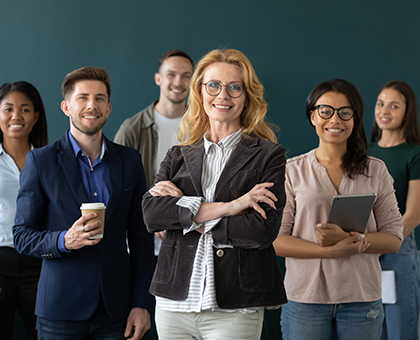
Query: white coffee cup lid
[[93, 206]]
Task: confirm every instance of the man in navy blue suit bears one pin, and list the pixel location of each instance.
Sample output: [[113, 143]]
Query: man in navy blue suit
[[88, 288]]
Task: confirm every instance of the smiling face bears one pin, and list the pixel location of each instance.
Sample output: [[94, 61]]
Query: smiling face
[[390, 110], [174, 78], [88, 107], [223, 109], [332, 130], [17, 116]]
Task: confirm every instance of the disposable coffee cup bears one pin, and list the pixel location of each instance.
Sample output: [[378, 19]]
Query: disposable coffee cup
[[98, 208]]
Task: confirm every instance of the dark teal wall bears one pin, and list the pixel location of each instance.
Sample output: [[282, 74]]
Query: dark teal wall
[[293, 45]]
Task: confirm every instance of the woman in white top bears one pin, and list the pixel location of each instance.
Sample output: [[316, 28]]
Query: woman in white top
[[23, 126], [333, 277]]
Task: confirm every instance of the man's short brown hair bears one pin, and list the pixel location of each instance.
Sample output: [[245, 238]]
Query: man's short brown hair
[[174, 53], [85, 73]]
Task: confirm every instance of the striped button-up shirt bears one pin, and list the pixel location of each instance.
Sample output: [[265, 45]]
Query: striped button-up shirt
[[202, 293]]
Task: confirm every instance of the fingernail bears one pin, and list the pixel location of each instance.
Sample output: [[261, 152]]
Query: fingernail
[[319, 225], [362, 235]]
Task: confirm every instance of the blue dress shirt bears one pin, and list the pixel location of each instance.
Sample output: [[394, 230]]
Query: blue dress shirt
[[95, 176]]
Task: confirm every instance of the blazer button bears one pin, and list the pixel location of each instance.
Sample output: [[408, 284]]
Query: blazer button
[[220, 253]]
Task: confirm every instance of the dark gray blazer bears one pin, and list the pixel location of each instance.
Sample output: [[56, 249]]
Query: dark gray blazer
[[246, 275]]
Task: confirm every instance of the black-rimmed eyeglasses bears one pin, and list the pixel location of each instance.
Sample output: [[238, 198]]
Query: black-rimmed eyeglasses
[[213, 88], [327, 111]]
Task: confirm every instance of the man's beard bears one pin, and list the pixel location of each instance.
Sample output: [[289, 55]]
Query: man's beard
[[177, 101], [89, 131]]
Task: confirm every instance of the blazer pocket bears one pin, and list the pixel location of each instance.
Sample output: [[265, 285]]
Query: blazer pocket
[[167, 259], [244, 181], [257, 270]]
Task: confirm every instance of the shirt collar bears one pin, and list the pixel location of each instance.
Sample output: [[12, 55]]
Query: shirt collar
[[77, 149], [226, 143], [2, 150]]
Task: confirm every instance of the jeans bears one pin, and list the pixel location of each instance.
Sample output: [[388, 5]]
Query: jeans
[[347, 321], [99, 327], [401, 319]]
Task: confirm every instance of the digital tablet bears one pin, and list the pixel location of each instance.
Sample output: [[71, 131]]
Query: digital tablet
[[351, 212]]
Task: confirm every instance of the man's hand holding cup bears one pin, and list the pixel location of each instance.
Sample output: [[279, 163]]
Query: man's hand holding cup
[[88, 229]]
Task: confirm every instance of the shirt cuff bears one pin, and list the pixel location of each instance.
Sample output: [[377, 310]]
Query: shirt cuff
[[209, 225], [60, 242], [193, 204]]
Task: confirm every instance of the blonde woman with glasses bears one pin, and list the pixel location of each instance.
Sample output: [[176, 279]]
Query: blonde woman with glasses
[[220, 197]]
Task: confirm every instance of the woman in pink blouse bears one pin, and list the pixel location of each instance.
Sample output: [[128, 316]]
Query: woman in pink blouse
[[333, 277]]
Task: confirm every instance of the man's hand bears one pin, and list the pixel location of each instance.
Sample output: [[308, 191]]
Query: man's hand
[[138, 323], [78, 235]]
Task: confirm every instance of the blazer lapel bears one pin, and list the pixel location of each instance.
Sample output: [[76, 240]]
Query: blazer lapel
[[245, 150], [115, 164], [71, 169], [193, 157]]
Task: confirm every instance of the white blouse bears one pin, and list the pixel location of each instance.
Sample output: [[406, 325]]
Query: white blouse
[[9, 187]]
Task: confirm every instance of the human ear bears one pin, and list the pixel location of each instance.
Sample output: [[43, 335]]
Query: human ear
[[65, 108], [312, 117], [157, 79], [109, 110]]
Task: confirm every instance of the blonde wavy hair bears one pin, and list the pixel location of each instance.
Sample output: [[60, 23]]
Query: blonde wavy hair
[[195, 122]]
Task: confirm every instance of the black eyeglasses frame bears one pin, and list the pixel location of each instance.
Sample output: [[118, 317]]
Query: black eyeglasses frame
[[333, 111]]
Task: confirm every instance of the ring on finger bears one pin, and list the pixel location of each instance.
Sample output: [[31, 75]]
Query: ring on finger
[[83, 228]]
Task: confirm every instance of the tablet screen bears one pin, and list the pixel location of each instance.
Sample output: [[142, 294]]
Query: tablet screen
[[351, 212]]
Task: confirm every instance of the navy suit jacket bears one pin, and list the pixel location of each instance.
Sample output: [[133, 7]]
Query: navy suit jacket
[[49, 199]]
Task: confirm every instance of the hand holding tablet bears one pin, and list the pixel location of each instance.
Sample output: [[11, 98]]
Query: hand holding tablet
[[351, 212]]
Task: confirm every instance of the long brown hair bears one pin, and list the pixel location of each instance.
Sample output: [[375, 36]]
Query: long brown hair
[[355, 159], [410, 125]]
